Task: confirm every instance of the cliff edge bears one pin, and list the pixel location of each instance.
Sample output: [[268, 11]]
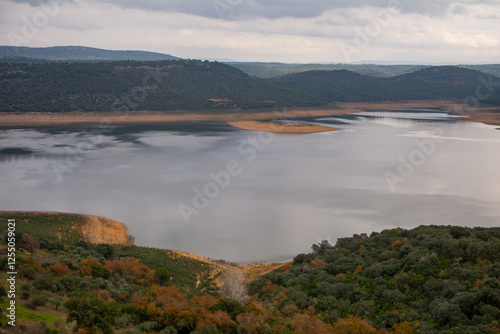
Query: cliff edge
[[100, 230]]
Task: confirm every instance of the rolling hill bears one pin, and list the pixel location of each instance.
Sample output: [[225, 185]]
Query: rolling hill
[[439, 82], [211, 86], [430, 279], [274, 70], [79, 53], [128, 85]]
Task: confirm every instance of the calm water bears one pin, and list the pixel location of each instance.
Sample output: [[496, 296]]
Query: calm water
[[264, 197]]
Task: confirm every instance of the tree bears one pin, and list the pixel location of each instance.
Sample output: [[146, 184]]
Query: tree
[[162, 276], [105, 250], [353, 325], [405, 328], [60, 269], [92, 313]]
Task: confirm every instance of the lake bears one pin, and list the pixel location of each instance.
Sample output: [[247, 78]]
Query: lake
[[232, 194]]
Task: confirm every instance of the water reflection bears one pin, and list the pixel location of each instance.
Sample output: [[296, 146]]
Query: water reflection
[[298, 189]]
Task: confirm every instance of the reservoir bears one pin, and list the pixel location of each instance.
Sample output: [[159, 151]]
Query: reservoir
[[244, 196]]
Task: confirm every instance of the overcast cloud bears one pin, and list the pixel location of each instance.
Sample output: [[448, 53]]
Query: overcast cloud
[[465, 31]]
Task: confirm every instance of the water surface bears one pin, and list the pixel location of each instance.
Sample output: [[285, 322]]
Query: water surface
[[383, 170]]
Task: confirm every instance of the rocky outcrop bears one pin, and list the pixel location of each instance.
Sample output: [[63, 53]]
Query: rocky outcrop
[[100, 230]]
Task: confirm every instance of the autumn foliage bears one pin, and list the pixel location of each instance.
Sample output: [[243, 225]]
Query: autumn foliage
[[353, 325], [60, 269]]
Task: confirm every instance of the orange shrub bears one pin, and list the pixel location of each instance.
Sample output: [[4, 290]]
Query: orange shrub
[[405, 328], [307, 324], [353, 325], [317, 262], [205, 301], [269, 287], [60, 269], [286, 267], [358, 270], [133, 268], [85, 266]]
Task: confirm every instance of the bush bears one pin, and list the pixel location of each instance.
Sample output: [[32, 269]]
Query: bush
[[147, 326], [169, 330], [37, 301], [132, 331], [29, 273], [42, 282], [162, 276], [60, 269], [92, 312], [494, 270], [105, 250]]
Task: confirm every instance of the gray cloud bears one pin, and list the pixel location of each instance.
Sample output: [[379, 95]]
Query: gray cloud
[[243, 9]]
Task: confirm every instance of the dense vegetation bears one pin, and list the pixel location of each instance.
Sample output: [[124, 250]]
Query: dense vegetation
[[207, 86], [128, 85], [432, 279], [79, 53], [274, 70], [442, 82]]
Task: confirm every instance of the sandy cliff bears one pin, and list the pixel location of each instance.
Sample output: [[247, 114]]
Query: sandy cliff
[[100, 230]]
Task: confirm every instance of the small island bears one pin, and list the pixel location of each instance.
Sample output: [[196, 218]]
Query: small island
[[281, 127]]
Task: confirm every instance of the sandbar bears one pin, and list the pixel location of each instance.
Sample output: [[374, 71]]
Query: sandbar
[[281, 127]]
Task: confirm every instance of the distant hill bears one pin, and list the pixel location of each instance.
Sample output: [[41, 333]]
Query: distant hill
[[78, 53], [129, 85], [273, 70], [197, 85], [439, 82]]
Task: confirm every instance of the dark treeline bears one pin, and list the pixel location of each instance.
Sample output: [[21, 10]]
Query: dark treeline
[[204, 86]]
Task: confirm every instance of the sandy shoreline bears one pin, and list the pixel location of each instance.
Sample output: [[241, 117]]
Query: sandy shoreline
[[484, 115], [280, 127]]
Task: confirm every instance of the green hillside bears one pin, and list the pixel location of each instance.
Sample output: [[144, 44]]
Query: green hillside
[[80, 53], [274, 70], [431, 279], [129, 85], [211, 86], [440, 82]]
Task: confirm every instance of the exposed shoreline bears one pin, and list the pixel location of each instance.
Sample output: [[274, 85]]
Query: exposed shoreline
[[280, 127], [488, 115]]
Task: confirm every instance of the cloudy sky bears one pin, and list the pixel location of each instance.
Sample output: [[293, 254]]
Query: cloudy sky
[[295, 31]]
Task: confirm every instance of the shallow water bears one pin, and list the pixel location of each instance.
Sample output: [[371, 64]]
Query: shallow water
[[264, 197]]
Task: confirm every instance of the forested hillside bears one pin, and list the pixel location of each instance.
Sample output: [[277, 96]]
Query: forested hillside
[[125, 86], [80, 53], [441, 82], [210, 86], [274, 70], [432, 279]]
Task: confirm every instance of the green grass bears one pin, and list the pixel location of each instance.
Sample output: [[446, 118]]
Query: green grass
[[49, 226], [184, 271], [43, 314]]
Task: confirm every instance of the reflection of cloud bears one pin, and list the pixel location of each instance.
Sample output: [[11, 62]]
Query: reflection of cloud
[[166, 140], [433, 135]]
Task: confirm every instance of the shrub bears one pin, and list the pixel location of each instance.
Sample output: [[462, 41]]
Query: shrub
[[60, 269], [162, 276], [37, 301], [147, 326]]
